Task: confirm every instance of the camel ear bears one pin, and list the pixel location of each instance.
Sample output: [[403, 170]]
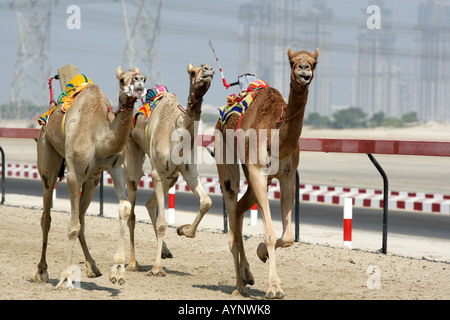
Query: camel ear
[[118, 71], [315, 55], [136, 69], [290, 53], [189, 67]]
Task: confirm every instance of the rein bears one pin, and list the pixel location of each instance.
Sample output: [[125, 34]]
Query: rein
[[129, 105]]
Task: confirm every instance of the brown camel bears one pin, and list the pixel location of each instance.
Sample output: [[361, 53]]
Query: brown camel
[[91, 138], [159, 137], [268, 116]]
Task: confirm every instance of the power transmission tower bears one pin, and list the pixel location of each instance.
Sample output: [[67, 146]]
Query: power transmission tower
[[141, 20], [32, 67]]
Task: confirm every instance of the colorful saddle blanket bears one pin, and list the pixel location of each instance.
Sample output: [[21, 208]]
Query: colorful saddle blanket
[[65, 99], [239, 104], [152, 99]]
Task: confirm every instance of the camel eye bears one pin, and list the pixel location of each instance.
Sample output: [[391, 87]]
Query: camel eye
[[122, 81], [192, 73]]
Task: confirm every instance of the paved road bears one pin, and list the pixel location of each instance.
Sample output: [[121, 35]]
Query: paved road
[[399, 222], [405, 173]]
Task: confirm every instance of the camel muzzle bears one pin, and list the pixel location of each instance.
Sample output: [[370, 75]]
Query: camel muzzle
[[136, 89]]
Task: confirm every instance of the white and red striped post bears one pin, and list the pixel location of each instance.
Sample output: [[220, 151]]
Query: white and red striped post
[[254, 215], [171, 218], [348, 202]]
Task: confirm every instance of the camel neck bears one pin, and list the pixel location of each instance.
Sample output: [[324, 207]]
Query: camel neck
[[121, 126], [194, 107], [291, 121], [128, 104], [295, 107]]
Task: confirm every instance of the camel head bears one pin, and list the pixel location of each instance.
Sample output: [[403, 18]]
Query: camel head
[[303, 65], [131, 82], [200, 78]]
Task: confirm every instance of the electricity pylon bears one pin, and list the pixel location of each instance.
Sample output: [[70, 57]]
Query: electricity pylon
[[142, 28], [32, 67]]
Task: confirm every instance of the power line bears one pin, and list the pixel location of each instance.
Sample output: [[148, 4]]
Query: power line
[[32, 58], [142, 29]]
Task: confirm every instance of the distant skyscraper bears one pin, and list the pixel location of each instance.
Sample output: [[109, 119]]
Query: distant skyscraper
[[375, 82], [269, 27], [432, 61]]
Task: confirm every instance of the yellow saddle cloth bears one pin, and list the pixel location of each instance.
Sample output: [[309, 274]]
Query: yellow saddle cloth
[[65, 99]]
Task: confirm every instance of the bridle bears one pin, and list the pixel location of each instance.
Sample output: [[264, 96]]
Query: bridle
[[130, 103], [300, 89], [192, 104]]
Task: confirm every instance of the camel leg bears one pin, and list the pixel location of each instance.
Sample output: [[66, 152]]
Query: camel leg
[[133, 265], [259, 185], [161, 224], [192, 178], [151, 206], [74, 185], [287, 189], [49, 162], [243, 205], [229, 183], [87, 193], [118, 267], [134, 161]]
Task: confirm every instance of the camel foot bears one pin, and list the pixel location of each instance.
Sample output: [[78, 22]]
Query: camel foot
[[240, 291], [186, 231], [166, 252], [67, 276], [157, 271], [274, 292], [117, 274], [262, 253], [247, 277], [92, 271], [41, 276], [133, 266]]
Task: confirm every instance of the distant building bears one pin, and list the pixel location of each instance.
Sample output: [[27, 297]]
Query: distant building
[[269, 27], [376, 85], [431, 70]]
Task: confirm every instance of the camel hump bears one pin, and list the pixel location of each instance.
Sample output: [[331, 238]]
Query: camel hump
[[269, 98]]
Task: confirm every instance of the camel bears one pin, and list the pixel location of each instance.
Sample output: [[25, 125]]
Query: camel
[[268, 111], [91, 138], [154, 137]]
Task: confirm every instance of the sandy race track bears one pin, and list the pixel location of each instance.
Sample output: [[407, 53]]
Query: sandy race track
[[202, 267]]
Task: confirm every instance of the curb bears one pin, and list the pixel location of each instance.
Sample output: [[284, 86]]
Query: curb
[[370, 198]]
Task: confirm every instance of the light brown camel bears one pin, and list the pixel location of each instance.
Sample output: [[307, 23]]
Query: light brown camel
[[267, 112], [160, 140], [91, 138]]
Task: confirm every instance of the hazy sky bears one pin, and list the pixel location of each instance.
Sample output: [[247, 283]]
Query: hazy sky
[[186, 28]]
